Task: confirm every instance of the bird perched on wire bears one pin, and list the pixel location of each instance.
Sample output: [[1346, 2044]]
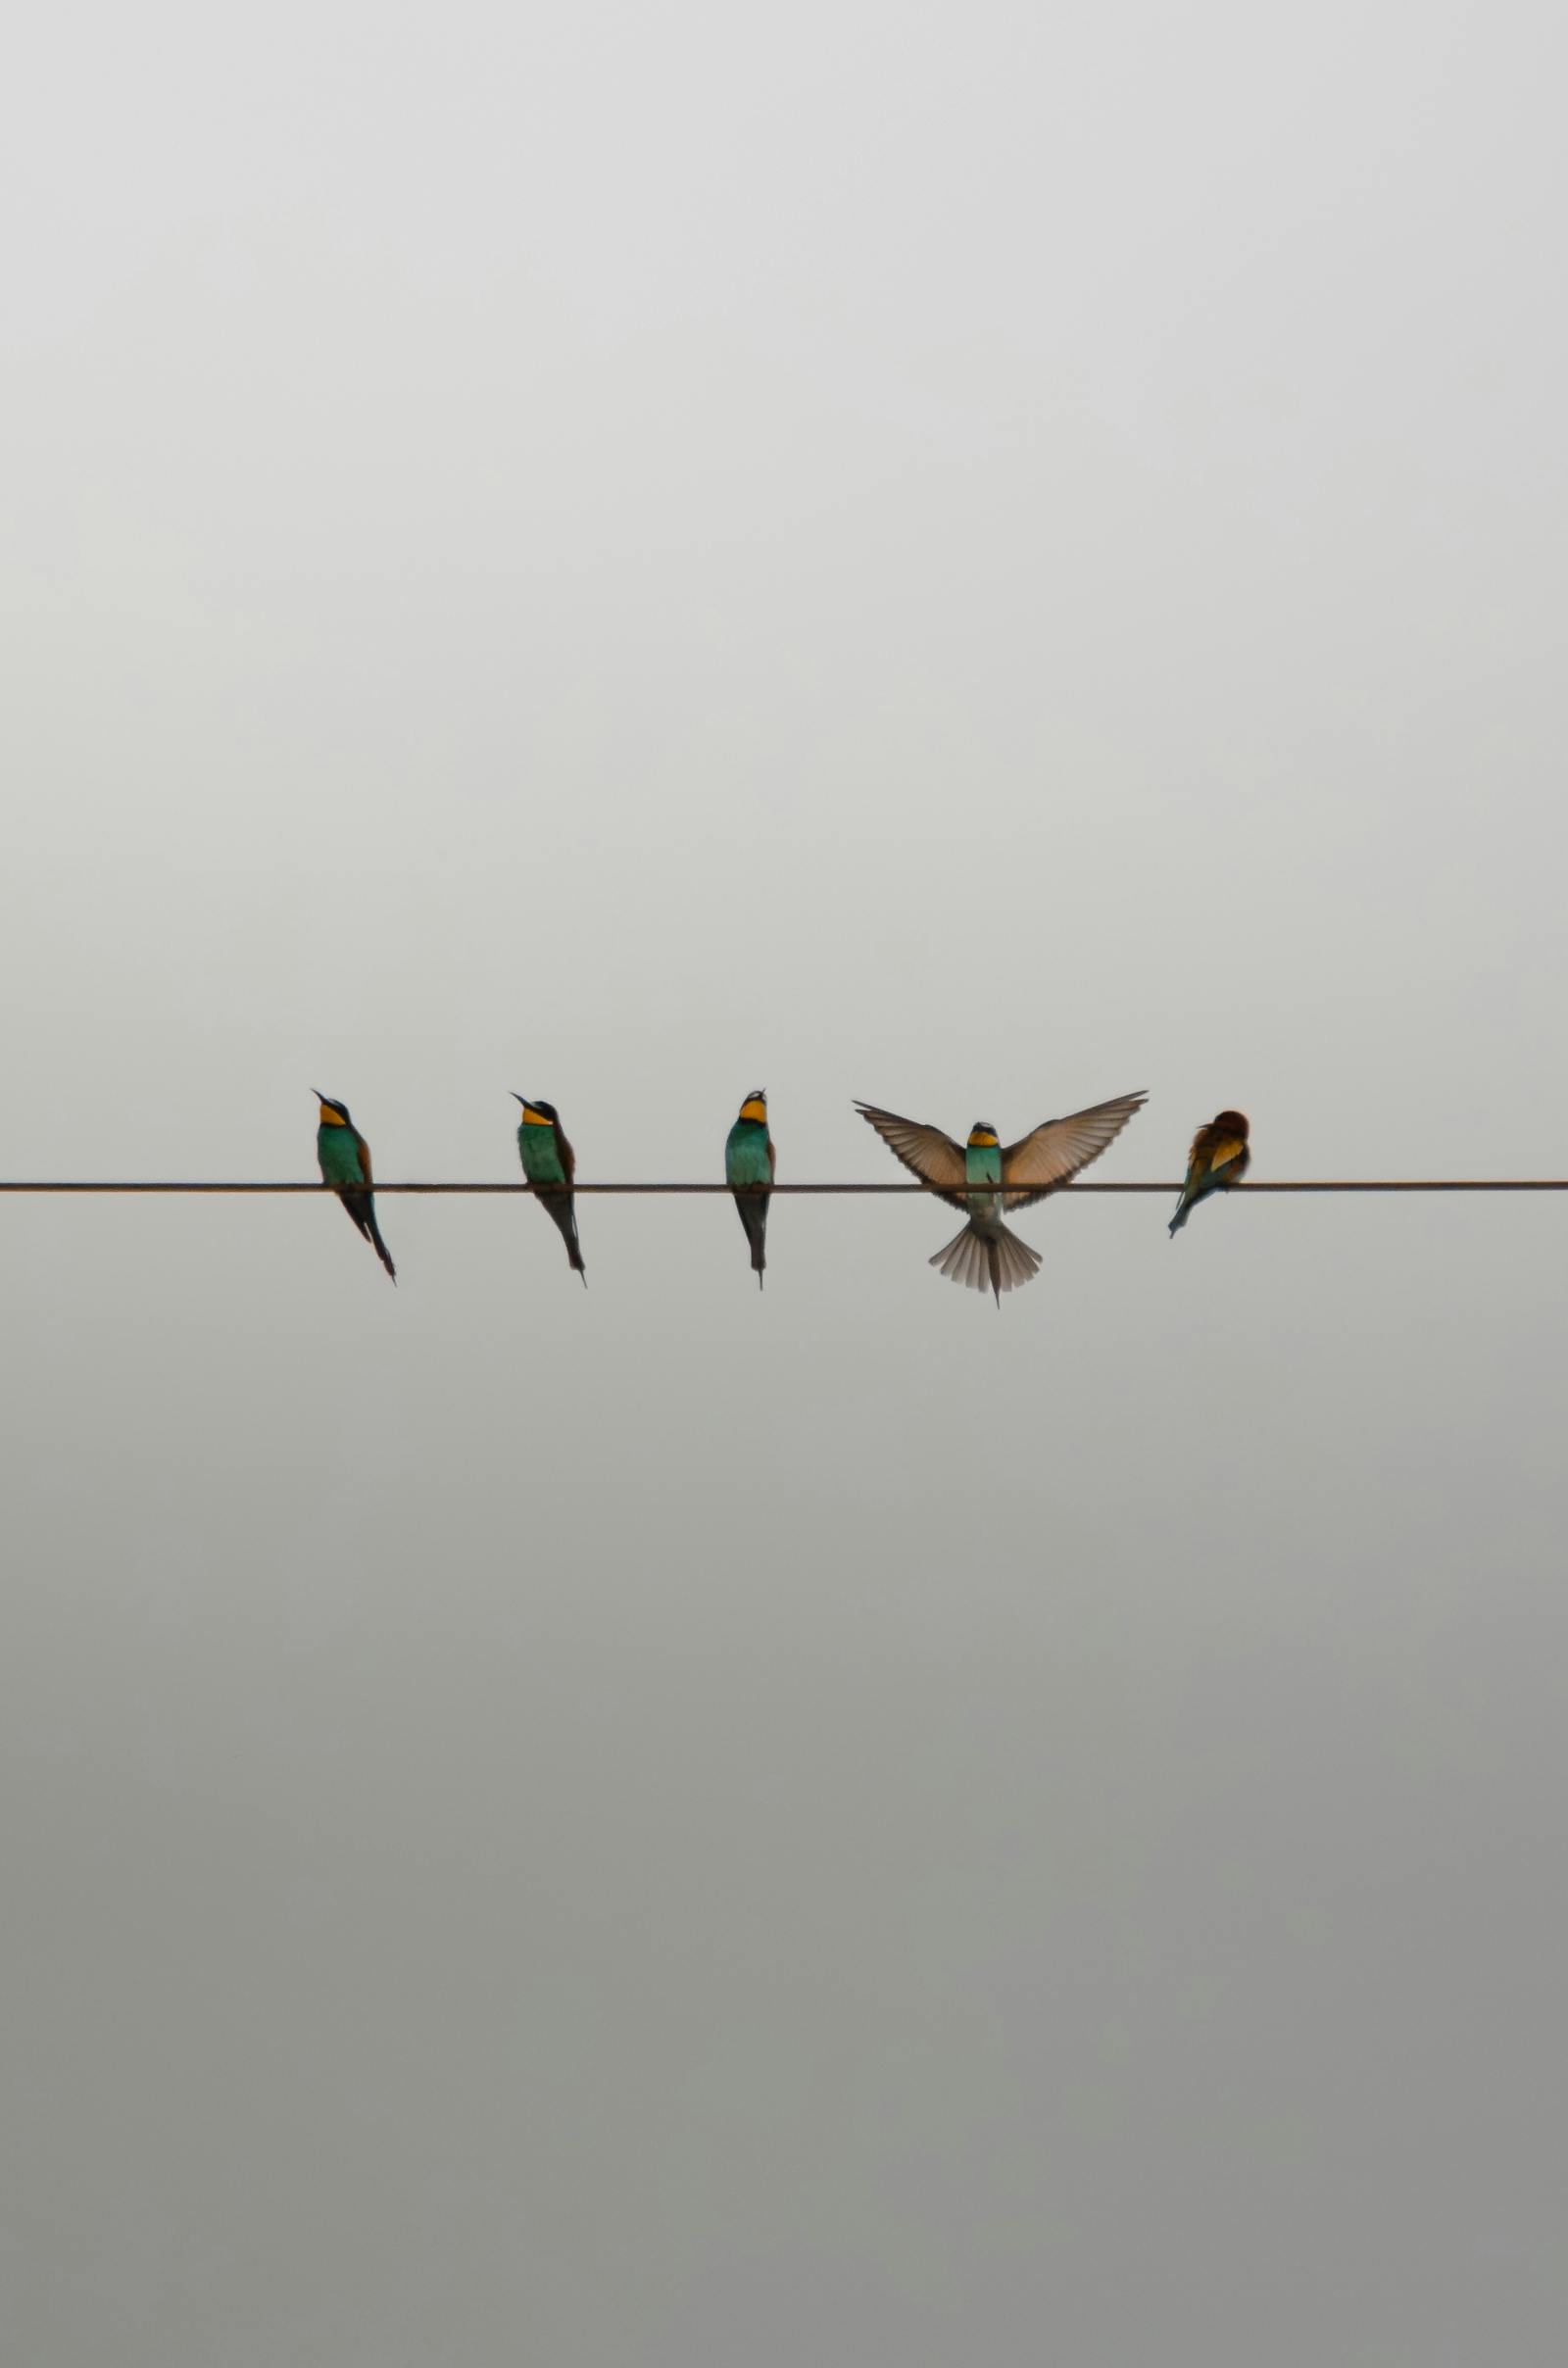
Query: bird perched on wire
[[1219, 1157], [345, 1160], [749, 1161], [550, 1165], [983, 1179]]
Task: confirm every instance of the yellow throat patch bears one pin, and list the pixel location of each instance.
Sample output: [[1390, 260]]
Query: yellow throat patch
[[754, 1108]]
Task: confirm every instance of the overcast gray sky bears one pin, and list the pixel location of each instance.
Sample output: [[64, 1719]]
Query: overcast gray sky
[[978, 558]]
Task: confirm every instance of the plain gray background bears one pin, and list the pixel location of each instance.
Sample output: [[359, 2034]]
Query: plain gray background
[[978, 558]]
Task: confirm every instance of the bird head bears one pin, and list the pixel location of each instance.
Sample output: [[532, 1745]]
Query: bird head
[[754, 1108], [1234, 1122], [333, 1113], [537, 1114], [982, 1136]]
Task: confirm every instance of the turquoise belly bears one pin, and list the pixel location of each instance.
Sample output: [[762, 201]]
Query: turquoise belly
[[982, 1164]]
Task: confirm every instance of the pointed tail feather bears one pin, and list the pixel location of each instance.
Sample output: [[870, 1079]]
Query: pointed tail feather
[[562, 1208], [360, 1206], [381, 1249], [994, 1262], [1191, 1194], [753, 1207], [1219, 1179]]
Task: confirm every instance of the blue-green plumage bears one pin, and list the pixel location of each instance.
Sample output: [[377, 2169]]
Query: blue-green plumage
[[550, 1165], [982, 1164], [344, 1158], [749, 1167], [337, 1150]]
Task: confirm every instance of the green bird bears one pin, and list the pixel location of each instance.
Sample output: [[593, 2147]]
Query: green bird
[[749, 1161], [345, 1158], [550, 1165], [986, 1255]]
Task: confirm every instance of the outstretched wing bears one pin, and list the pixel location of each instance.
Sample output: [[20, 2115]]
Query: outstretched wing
[[933, 1156], [1056, 1150]]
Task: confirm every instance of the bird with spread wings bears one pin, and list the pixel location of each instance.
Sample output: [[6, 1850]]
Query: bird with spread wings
[[982, 1178]]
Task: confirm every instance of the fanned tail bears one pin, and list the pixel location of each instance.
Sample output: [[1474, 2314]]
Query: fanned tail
[[753, 1207], [996, 1260]]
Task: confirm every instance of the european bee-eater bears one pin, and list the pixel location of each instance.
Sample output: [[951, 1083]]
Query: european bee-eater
[[550, 1165], [1219, 1157], [345, 1158], [986, 1255], [749, 1161]]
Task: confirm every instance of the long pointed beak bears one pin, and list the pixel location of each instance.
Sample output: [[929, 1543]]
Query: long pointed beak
[[523, 1098]]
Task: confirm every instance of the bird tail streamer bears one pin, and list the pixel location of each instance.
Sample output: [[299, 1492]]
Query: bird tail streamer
[[565, 1217], [753, 1216], [364, 1215]]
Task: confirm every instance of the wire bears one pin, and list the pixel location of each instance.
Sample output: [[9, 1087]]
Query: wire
[[1061, 1191]]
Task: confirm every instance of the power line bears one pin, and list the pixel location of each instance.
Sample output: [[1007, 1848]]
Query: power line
[[1061, 1191]]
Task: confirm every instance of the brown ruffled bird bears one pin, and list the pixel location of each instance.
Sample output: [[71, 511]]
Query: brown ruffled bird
[[1219, 1157], [986, 1255]]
